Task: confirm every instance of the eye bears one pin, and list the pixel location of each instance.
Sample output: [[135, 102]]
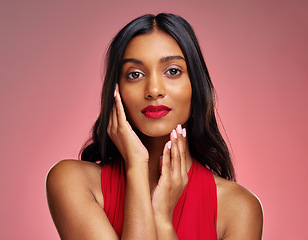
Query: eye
[[173, 72], [135, 75]]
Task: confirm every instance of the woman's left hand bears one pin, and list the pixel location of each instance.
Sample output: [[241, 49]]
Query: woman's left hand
[[173, 179]]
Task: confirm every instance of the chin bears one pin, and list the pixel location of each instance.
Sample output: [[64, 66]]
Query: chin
[[154, 134], [156, 128], [156, 131], [157, 135]]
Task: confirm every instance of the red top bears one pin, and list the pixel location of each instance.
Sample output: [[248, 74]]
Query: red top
[[195, 214]]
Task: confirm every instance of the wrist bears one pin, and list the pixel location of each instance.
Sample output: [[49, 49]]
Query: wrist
[[163, 221], [133, 165], [136, 171], [165, 228], [162, 215]]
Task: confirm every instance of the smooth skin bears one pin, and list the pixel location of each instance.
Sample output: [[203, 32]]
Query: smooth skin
[[154, 73]]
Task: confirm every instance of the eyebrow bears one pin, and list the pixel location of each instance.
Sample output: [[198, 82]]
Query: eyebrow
[[126, 60], [162, 60], [168, 58]]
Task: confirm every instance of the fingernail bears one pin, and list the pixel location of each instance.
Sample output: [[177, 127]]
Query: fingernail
[[115, 93], [184, 132], [179, 129], [174, 133], [169, 145]]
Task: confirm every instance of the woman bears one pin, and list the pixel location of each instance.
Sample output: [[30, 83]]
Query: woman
[[156, 166]]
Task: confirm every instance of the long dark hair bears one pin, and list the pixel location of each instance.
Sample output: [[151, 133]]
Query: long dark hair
[[206, 144]]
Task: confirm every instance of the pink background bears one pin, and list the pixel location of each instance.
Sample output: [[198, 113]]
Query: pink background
[[50, 84]]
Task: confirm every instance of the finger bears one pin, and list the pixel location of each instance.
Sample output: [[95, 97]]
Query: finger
[[119, 107], [166, 164], [114, 119], [182, 148], [110, 122], [175, 156]]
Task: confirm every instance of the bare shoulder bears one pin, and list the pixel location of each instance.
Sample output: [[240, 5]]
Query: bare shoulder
[[240, 214], [75, 199], [69, 167], [73, 164], [69, 173]]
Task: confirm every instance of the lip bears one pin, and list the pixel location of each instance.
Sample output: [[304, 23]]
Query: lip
[[155, 112]]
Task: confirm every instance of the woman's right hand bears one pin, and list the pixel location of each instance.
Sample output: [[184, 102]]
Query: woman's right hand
[[124, 137], [138, 220]]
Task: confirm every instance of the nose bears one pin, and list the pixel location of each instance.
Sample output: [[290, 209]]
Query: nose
[[155, 87]]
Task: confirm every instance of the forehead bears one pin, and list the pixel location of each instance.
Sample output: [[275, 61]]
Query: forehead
[[155, 44]]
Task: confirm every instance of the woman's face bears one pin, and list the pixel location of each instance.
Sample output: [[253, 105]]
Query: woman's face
[[154, 84]]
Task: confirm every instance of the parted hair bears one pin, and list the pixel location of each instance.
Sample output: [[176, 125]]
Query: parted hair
[[205, 141]]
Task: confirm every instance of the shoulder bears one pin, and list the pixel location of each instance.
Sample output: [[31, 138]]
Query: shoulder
[[240, 214], [75, 201], [67, 175], [67, 170], [73, 165]]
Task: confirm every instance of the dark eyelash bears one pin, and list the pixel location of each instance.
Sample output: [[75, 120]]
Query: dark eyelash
[[177, 73], [134, 72]]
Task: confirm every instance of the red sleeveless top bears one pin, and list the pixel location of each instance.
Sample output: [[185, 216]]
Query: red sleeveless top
[[195, 214]]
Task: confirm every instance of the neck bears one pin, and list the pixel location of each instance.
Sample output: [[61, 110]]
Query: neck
[[155, 146]]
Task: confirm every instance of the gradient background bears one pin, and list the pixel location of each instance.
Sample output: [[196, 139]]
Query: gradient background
[[51, 52]]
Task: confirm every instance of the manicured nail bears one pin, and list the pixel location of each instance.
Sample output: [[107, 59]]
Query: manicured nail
[[115, 93], [174, 133], [179, 129], [184, 132], [169, 145]]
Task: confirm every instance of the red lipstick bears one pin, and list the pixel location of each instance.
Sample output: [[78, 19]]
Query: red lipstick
[[155, 112]]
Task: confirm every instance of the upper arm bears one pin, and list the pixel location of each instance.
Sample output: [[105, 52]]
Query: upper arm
[[244, 215], [72, 205]]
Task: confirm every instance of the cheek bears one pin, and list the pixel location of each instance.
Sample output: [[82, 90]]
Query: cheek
[[130, 103], [185, 96], [182, 100], [187, 104], [187, 101], [127, 101]]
